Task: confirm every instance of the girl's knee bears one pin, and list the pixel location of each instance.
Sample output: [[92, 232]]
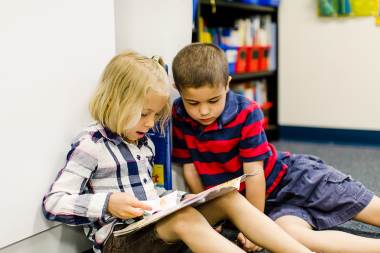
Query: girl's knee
[[186, 217], [189, 213], [175, 226]]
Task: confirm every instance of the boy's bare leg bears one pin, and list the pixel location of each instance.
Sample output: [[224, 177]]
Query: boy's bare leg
[[255, 225], [327, 241], [193, 229], [371, 213]]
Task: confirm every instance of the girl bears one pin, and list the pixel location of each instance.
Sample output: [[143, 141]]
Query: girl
[[108, 174]]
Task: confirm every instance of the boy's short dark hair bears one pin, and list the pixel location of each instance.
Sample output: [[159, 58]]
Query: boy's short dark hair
[[200, 64]]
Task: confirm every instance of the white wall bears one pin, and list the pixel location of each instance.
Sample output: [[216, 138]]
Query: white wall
[[52, 54], [329, 69], [46, 44], [154, 27]]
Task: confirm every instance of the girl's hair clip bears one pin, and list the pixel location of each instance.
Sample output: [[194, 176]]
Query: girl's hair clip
[[156, 58], [159, 60]]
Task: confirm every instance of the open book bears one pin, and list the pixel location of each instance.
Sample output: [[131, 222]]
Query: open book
[[170, 203]]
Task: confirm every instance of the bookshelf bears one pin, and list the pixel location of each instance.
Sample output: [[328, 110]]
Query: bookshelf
[[219, 21]]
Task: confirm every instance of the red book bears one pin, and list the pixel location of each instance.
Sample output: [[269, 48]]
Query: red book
[[252, 59], [264, 58], [241, 61]]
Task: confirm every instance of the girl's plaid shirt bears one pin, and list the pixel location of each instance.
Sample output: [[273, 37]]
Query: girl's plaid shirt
[[99, 163]]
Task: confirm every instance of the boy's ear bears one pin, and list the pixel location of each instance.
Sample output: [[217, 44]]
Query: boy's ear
[[228, 82]]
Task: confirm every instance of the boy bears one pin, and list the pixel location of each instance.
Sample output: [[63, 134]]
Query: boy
[[218, 135]]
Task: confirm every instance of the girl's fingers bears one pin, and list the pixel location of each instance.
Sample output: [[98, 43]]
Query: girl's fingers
[[142, 205], [139, 204], [134, 212]]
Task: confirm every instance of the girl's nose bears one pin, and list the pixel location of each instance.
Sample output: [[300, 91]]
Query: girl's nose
[[149, 122]]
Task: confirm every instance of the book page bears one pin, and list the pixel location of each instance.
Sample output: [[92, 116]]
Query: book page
[[164, 203]]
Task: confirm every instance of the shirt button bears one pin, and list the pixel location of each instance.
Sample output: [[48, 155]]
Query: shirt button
[[138, 157], [145, 180]]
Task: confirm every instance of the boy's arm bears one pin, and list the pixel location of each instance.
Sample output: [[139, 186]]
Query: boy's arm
[[255, 185], [192, 178], [253, 150]]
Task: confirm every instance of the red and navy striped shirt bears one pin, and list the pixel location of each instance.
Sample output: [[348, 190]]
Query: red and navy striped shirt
[[219, 150]]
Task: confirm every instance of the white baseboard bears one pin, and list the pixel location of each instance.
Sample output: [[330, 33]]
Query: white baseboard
[[59, 239]]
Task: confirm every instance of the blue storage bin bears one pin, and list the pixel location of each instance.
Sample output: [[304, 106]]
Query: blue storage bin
[[273, 3], [250, 1], [231, 54], [162, 170]]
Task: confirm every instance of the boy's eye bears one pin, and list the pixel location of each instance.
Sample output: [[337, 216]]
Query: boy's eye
[[213, 101], [144, 114], [192, 103]]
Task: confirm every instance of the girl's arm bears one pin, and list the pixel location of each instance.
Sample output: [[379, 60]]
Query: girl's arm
[[68, 203], [71, 200], [192, 178]]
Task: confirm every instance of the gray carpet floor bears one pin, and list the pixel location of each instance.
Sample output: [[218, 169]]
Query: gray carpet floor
[[361, 162]]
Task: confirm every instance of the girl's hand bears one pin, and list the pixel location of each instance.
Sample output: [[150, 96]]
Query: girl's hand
[[246, 244], [124, 206]]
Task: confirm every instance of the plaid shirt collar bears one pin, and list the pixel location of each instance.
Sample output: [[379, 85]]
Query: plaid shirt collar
[[114, 137]]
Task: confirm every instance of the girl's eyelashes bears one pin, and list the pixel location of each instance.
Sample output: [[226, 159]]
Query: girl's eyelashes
[[156, 115]]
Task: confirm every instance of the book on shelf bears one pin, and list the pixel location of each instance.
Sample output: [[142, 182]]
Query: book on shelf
[[170, 203], [257, 91], [249, 38], [254, 90]]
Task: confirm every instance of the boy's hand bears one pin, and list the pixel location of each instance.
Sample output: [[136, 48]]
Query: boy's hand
[[124, 206], [246, 244]]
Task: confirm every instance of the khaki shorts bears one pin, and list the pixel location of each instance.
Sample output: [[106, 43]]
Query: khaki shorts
[[141, 241]]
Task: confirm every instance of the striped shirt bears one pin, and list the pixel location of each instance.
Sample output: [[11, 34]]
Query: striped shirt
[[99, 163], [219, 150]]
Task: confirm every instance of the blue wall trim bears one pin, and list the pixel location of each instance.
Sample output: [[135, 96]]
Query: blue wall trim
[[349, 136]]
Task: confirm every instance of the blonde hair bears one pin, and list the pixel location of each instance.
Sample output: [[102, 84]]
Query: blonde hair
[[119, 99]]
